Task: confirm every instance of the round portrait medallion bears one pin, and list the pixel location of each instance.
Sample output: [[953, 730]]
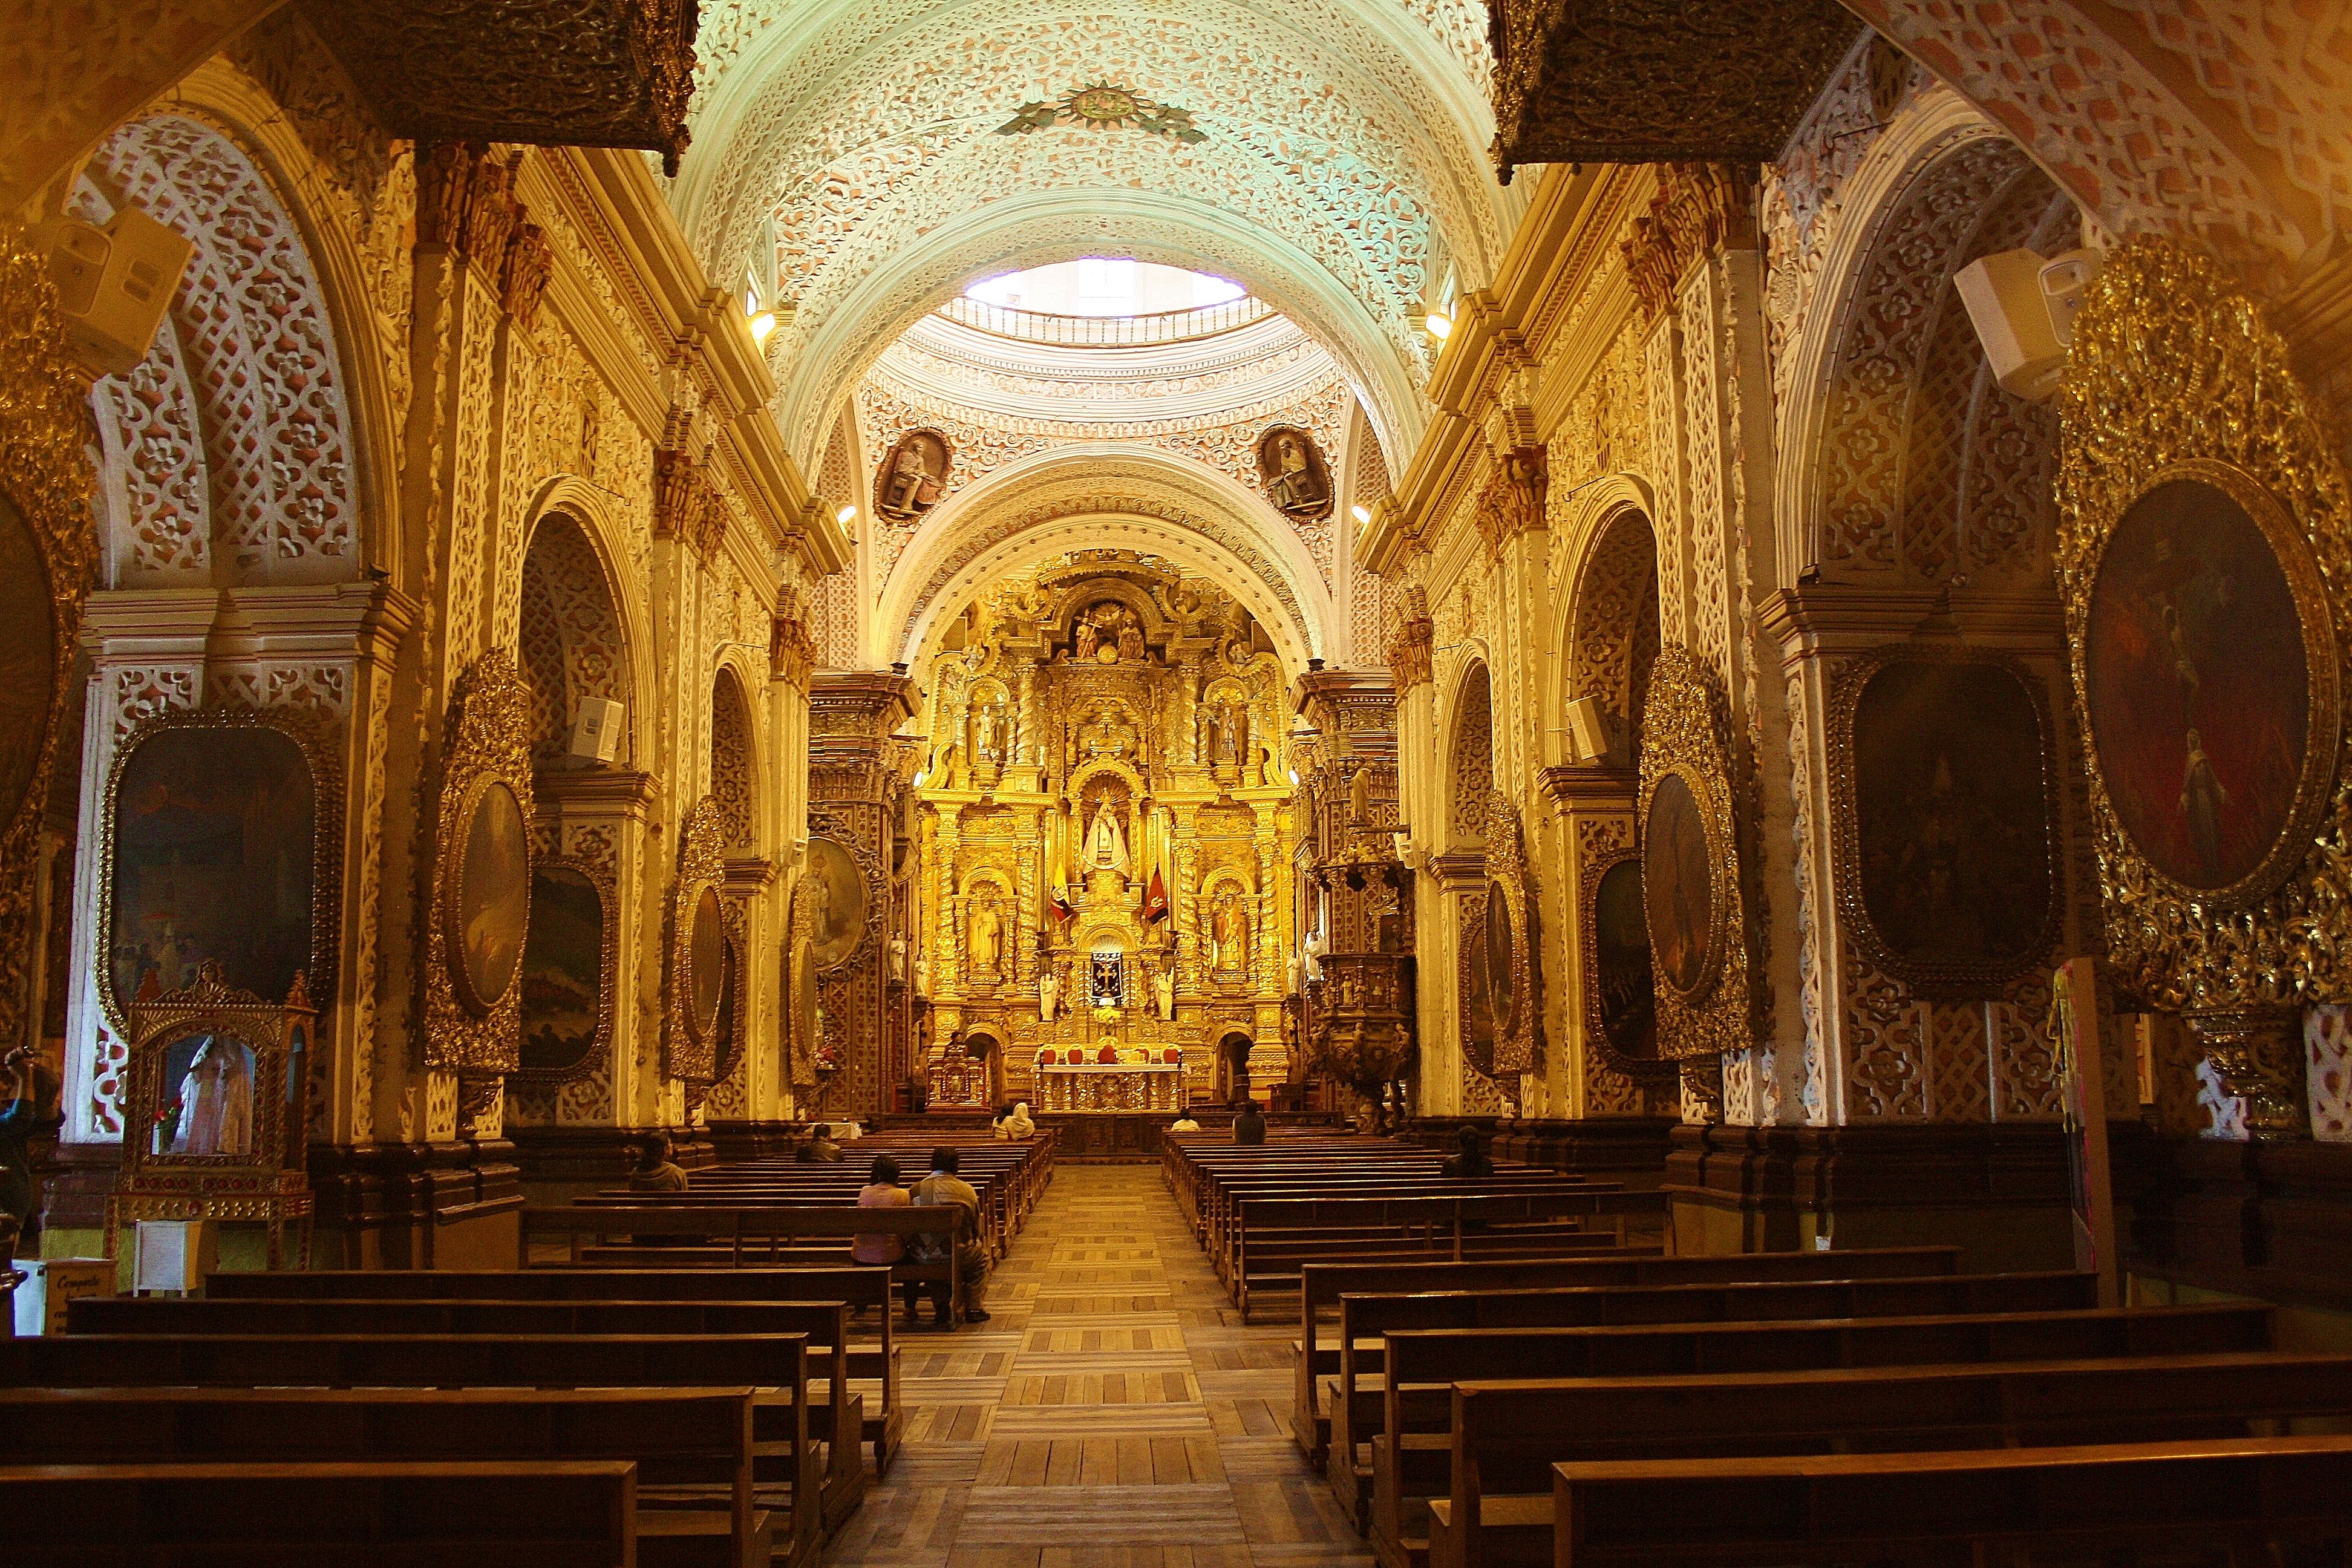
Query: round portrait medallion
[[707, 965], [490, 905], [1677, 886], [2196, 683]]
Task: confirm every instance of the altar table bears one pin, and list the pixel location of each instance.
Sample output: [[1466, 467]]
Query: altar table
[[1111, 1086]]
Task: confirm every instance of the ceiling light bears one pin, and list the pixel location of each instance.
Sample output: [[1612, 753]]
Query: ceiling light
[[1359, 514], [761, 325], [846, 516], [1440, 325]]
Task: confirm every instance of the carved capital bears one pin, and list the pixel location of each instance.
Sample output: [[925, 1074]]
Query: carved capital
[[791, 651], [1413, 651], [1513, 501], [1699, 209], [466, 200], [523, 281]]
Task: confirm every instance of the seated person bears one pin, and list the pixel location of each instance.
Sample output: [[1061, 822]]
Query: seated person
[[654, 1173], [820, 1149], [1469, 1158], [1017, 1123], [1249, 1123], [882, 1191], [1184, 1123], [944, 1186]]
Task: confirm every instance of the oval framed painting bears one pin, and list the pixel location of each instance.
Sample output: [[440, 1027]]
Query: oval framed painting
[[836, 890], [28, 660], [1501, 956], [2208, 671], [706, 965], [489, 899], [1678, 889]]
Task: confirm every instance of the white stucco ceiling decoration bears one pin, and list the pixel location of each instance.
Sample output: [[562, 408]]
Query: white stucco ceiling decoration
[[1113, 495], [849, 153]]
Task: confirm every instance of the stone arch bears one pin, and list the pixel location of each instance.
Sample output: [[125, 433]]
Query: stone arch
[[572, 636], [1469, 768], [229, 451], [1108, 494], [1912, 467], [1611, 633], [734, 759]]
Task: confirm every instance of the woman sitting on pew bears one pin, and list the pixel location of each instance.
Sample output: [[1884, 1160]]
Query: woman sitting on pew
[[655, 1173], [1016, 1123], [882, 1191]]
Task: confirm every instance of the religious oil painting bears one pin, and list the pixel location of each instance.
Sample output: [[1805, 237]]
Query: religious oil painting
[[1621, 953], [2198, 685], [1478, 978], [209, 1078], [706, 953], [27, 659], [1677, 885], [1499, 978], [563, 970], [492, 899], [1952, 820], [836, 891], [214, 858]]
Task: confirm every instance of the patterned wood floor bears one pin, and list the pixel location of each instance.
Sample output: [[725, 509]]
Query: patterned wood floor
[[1115, 1413]]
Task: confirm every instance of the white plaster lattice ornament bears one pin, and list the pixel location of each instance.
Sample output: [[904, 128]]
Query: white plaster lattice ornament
[[1105, 106]]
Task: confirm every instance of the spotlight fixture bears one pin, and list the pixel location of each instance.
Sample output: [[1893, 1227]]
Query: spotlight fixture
[[846, 516], [1360, 514], [761, 325], [1440, 325]]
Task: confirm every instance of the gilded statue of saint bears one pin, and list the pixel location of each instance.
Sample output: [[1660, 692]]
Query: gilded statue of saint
[[985, 929]]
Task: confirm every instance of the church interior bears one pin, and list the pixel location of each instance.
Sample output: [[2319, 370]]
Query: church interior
[[1370, 784]]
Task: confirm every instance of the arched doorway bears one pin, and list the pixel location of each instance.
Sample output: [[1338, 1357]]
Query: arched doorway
[[1232, 1066]]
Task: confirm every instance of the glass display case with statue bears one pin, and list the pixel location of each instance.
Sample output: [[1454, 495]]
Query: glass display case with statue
[[216, 1110]]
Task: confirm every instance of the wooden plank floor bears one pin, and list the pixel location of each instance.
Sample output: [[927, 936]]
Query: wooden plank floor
[[1115, 1413]]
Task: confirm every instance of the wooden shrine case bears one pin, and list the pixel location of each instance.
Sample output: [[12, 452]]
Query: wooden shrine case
[[216, 1112]]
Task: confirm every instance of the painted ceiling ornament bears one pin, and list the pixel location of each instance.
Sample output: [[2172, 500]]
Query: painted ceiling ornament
[[1105, 106]]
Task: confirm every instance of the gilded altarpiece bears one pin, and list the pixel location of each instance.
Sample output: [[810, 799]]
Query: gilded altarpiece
[[1104, 818]]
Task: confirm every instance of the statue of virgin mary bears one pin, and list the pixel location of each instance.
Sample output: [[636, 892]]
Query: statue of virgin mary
[[1106, 842]]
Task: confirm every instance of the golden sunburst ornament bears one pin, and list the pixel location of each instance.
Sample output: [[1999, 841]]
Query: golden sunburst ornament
[[1106, 106]]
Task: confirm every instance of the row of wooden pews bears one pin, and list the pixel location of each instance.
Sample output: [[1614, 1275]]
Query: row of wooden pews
[[672, 1413], [1624, 1407], [1268, 1212]]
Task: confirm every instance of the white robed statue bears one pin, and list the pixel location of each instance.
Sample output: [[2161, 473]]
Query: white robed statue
[[1106, 842], [216, 1103]]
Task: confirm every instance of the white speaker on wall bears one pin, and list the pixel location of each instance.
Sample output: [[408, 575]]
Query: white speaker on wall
[[114, 284], [597, 729], [2024, 307], [1588, 730]]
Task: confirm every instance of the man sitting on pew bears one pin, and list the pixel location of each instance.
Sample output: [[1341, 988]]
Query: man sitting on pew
[[944, 1186], [820, 1150], [655, 1172], [1469, 1158], [1249, 1123]]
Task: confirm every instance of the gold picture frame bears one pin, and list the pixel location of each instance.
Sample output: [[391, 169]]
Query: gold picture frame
[[2174, 377], [690, 1034], [1513, 978], [486, 744], [50, 557], [1704, 1005], [598, 876]]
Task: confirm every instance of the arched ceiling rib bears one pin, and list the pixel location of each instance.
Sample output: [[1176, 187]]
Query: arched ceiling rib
[[851, 154]]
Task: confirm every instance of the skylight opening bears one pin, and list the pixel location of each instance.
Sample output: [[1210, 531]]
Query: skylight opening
[[1105, 286]]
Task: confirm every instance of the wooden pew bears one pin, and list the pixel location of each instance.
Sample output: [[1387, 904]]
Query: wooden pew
[[736, 1227], [567, 1514], [1507, 1435], [1323, 1284], [2245, 1497], [1450, 1211], [775, 1364], [872, 1365], [839, 1419], [689, 1445], [1355, 1399], [1424, 1364]]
